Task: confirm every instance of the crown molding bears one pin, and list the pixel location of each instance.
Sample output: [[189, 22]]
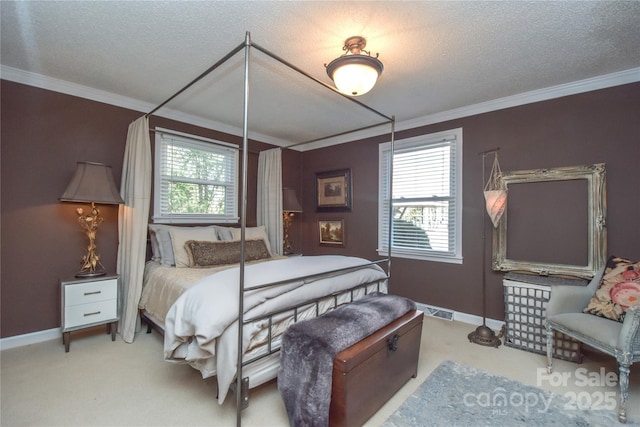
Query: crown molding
[[573, 88], [62, 86], [68, 88]]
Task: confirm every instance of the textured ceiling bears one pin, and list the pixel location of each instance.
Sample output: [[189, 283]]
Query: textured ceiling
[[438, 56]]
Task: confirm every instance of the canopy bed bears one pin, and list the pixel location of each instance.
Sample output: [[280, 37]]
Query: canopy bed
[[254, 298]]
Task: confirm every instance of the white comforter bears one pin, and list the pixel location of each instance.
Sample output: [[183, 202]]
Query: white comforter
[[201, 327]]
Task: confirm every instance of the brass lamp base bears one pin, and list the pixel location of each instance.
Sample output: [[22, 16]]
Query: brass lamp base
[[90, 265], [483, 335], [287, 219]]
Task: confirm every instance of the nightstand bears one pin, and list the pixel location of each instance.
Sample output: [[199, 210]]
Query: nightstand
[[89, 302]]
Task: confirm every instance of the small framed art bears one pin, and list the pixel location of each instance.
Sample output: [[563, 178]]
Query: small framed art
[[333, 191], [331, 232]]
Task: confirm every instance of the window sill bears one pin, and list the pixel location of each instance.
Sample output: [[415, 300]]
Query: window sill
[[433, 258]]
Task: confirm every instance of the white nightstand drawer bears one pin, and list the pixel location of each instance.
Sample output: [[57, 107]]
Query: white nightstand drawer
[[86, 314], [89, 301], [89, 292]]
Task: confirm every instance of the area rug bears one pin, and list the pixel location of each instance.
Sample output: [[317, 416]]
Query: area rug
[[459, 395]]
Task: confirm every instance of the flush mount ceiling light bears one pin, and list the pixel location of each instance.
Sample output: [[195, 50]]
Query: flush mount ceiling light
[[355, 73]]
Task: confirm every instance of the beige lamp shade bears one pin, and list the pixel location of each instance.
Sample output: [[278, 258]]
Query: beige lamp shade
[[92, 182], [496, 202], [495, 193], [290, 202]]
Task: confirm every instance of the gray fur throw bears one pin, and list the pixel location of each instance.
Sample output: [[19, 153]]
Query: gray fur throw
[[310, 346]]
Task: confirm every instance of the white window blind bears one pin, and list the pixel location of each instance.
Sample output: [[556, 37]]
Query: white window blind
[[427, 197], [195, 179]]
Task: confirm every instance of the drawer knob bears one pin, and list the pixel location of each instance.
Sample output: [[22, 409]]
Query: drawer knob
[[392, 343], [92, 293], [91, 314]]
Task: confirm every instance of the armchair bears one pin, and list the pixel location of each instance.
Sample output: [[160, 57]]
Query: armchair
[[618, 339]]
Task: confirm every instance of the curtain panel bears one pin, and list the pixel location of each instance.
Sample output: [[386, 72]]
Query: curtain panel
[[269, 199], [133, 219]]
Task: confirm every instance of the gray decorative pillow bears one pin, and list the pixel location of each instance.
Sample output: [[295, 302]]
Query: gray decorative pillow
[[224, 233], [160, 233], [212, 253]]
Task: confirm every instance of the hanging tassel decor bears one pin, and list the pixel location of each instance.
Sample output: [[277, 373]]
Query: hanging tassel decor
[[495, 193]]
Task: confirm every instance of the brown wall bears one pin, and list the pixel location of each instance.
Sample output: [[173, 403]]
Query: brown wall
[[596, 127], [44, 134]]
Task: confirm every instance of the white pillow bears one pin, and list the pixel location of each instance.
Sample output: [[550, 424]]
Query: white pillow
[[180, 236], [252, 233]]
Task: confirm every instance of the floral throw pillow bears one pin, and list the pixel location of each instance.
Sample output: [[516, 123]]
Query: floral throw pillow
[[618, 290]]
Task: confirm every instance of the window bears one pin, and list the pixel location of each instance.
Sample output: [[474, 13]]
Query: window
[[195, 179], [427, 197]]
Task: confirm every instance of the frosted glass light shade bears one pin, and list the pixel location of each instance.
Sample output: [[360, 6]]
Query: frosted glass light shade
[[355, 74], [355, 79]]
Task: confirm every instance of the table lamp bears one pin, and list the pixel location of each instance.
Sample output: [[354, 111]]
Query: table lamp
[[92, 183], [290, 206]]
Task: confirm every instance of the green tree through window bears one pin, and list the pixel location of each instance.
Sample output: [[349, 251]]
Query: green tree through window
[[196, 180]]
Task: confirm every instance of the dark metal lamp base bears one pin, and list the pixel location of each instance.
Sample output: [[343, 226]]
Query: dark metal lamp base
[[483, 335], [82, 274]]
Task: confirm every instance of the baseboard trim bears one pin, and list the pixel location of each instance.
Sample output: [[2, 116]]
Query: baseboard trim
[[474, 320], [31, 338], [470, 319], [56, 333], [433, 311]]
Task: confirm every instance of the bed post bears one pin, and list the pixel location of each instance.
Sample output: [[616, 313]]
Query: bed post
[[390, 236], [242, 384], [241, 396]]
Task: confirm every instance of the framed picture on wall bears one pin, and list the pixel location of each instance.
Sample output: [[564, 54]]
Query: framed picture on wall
[[331, 232], [333, 191]]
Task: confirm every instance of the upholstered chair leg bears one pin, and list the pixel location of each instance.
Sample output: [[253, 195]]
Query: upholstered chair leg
[[624, 392], [549, 349]]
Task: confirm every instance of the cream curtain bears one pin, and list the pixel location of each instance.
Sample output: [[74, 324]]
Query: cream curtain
[[133, 218], [269, 199]]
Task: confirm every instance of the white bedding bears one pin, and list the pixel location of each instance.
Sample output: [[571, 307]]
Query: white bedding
[[163, 284], [201, 326]]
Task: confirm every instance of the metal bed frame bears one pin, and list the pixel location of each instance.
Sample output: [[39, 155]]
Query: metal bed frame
[[247, 45], [243, 383]]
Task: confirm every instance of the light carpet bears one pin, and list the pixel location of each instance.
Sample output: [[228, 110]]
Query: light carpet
[[459, 395]]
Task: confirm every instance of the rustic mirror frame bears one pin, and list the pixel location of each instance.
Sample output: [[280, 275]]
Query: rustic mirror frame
[[597, 238]]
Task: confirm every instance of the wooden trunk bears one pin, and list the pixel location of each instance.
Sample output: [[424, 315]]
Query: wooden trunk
[[368, 373]]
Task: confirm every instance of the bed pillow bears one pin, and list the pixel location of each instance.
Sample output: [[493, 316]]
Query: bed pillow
[[252, 233], [155, 247], [180, 235], [618, 290], [160, 233], [212, 253], [224, 233]]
